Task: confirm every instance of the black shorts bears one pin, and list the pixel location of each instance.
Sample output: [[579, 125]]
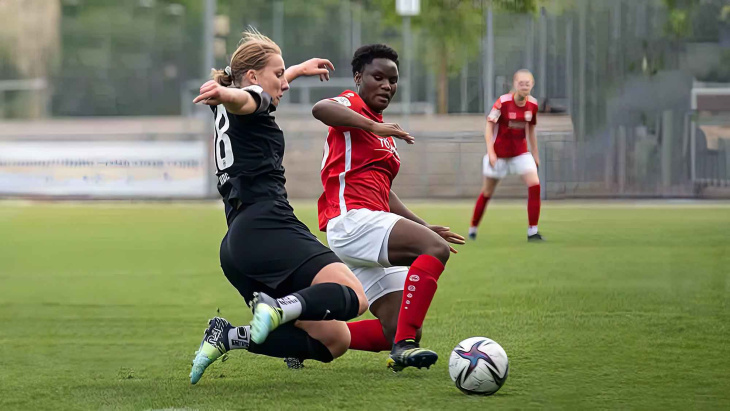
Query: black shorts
[[268, 249]]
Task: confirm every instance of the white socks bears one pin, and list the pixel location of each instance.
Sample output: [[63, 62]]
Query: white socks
[[291, 308], [239, 337], [532, 230]]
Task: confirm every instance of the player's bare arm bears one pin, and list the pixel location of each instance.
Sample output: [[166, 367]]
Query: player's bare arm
[[312, 67], [235, 100], [532, 140], [488, 133], [335, 114], [397, 207]]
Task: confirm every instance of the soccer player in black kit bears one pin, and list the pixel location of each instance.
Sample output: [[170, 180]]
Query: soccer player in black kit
[[291, 281]]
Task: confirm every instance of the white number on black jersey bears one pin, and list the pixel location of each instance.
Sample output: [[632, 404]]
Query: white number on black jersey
[[223, 147]]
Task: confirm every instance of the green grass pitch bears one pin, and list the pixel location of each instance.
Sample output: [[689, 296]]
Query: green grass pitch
[[625, 306]]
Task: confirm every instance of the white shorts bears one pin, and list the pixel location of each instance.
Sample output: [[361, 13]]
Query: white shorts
[[360, 240], [522, 164], [380, 281]]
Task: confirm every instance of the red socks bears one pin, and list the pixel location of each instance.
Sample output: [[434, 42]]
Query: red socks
[[479, 210], [533, 204], [418, 292], [420, 287], [367, 335]]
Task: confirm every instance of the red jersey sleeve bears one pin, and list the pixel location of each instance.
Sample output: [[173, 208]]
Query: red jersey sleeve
[[349, 99]]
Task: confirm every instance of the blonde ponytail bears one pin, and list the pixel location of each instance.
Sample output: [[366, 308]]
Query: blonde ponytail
[[253, 53], [223, 77]]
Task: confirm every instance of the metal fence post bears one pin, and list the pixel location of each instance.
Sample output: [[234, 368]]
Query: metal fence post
[[488, 63], [569, 64], [666, 150], [208, 37], [464, 89], [542, 68], [621, 159]]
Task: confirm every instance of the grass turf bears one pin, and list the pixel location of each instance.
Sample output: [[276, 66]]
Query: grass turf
[[103, 305]]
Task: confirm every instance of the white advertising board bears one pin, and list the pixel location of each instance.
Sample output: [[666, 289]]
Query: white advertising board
[[146, 169]]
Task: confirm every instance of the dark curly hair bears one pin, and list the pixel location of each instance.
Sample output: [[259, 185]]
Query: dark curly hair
[[366, 54]]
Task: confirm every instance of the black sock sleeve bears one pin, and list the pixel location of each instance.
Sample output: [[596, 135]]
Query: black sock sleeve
[[290, 341], [328, 301]]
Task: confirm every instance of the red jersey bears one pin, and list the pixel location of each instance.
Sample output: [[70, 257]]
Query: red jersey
[[510, 125], [358, 167]]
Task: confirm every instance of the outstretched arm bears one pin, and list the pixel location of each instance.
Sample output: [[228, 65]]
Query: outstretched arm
[[312, 67], [236, 101], [335, 114], [397, 207]]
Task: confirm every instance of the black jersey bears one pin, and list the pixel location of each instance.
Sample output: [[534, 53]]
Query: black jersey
[[249, 151]]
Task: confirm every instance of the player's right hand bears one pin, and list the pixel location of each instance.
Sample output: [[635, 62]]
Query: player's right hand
[[492, 159], [448, 235], [392, 130], [317, 67], [211, 93]]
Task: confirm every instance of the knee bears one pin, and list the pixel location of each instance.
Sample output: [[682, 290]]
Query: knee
[[440, 250], [363, 303], [339, 344], [332, 334], [339, 273], [357, 300], [339, 348], [362, 299], [487, 191], [531, 179]]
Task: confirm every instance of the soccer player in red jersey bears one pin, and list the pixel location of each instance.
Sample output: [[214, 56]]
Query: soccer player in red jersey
[[510, 124], [367, 225]]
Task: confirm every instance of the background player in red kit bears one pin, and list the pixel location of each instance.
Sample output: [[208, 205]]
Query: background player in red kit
[[510, 124], [367, 226]]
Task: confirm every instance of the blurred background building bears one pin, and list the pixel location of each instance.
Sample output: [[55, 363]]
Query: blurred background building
[[95, 96]]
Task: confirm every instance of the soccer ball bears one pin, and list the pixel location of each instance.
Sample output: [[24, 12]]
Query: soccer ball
[[478, 365]]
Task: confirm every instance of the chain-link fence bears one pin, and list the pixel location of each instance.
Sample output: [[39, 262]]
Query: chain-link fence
[[137, 57], [623, 70]]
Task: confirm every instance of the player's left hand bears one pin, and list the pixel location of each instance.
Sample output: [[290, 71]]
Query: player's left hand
[[537, 160], [317, 67], [211, 94], [448, 235]]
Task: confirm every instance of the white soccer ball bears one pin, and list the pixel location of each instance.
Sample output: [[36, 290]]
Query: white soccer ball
[[478, 365]]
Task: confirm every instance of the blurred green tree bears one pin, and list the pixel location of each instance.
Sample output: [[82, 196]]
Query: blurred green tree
[[453, 30], [129, 57]]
